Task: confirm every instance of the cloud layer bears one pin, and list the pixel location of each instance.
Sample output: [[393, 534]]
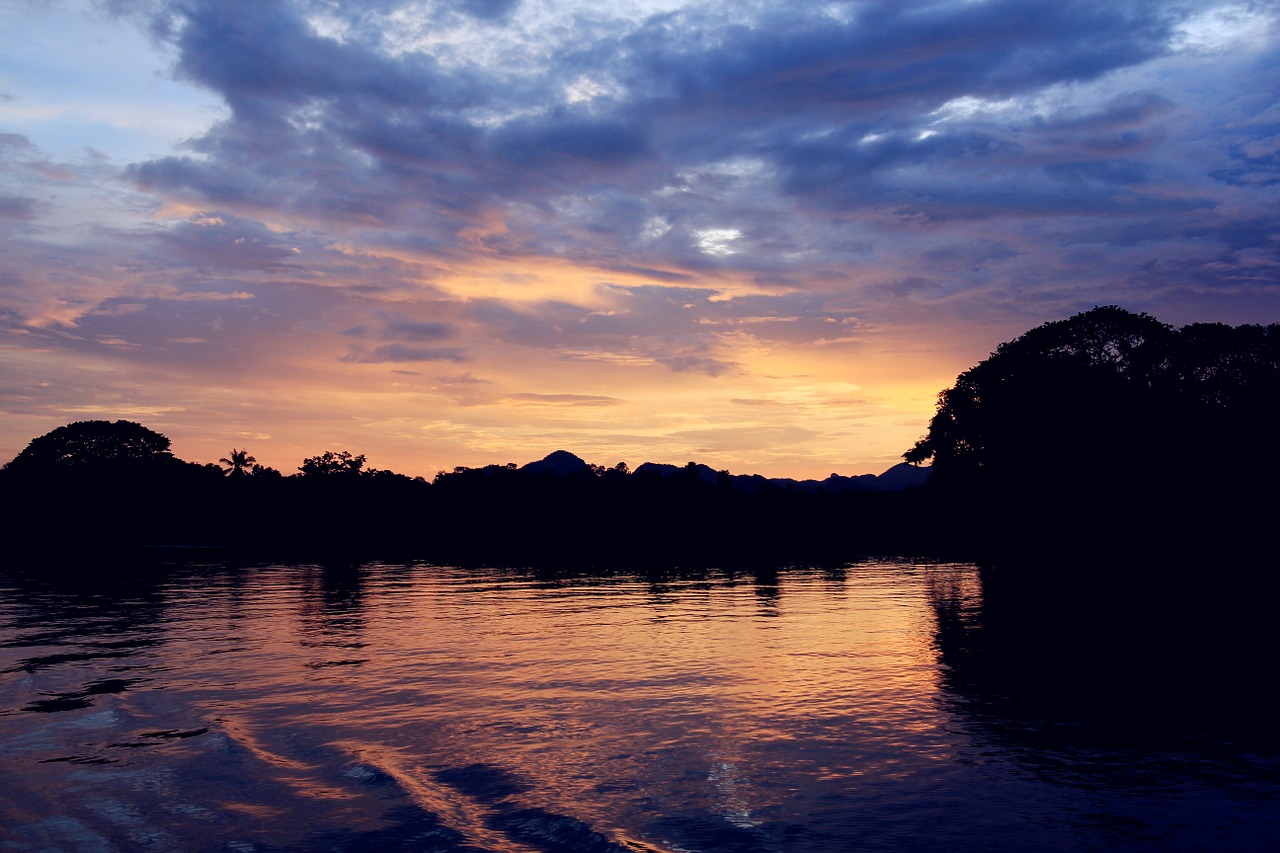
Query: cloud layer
[[461, 232]]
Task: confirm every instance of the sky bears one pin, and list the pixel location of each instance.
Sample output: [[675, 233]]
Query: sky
[[762, 235]]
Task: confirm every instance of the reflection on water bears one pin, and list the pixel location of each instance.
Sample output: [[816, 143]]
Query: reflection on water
[[411, 707]]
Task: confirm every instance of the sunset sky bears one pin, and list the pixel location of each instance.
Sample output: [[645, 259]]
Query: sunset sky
[[761, 235]]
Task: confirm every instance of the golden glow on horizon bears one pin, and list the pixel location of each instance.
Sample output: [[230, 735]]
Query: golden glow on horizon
[[782, 410], [698, 377]]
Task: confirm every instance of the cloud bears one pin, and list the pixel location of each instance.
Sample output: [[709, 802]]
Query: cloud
[[488, 9], [397, 353], [562, 399], [686, 141], [713, 203], [694, 362], [463, 379], [17, 207], [686, 329], [408, 330], [224, 243], [571, 139], [413, 331]]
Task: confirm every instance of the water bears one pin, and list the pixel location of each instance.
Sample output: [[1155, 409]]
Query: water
[[416, 707]]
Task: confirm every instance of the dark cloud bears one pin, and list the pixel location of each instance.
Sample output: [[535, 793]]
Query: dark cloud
[[397, 353], [17, 207], [562, 136], [413, 331], [258, 52], [695, 362], [1119, 172], [225, 243], [885, 64], [1055, 165], [1253, 146], [488, 9], [1122, 114], [969, 254], [629, 146], [408, 330], [11, 143]]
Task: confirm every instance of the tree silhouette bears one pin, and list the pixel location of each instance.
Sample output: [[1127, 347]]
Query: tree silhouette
[[98, 483], [1109, 426], [238, 463], [92, 444], [1067, 389], [331, 464]]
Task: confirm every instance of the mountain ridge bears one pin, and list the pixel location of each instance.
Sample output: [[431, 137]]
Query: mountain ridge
[[904, 475]]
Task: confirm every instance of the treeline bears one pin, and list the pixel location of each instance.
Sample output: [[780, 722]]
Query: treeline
[[97, 485]]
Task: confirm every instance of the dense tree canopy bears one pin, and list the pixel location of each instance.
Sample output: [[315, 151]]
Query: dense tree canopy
[[1094, 382], [91, 443], [1108, 421], [333, 464], [1043, 395]]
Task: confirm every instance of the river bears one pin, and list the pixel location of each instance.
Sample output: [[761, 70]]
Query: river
[[217, 707]]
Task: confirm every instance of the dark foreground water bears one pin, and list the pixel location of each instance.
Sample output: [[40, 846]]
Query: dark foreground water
[[424, 708]]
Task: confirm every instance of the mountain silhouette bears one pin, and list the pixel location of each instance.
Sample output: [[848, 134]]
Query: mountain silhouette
[[560, 463], [901, 476]]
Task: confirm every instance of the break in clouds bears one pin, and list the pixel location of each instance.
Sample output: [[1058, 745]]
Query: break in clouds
[[564, 200]]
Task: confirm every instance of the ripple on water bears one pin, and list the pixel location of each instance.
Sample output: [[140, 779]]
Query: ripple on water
[[298, 707]]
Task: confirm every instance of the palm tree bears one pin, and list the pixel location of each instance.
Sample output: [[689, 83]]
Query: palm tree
[[238, 463]]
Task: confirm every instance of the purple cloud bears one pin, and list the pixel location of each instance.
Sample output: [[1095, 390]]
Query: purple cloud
[[397, 353]]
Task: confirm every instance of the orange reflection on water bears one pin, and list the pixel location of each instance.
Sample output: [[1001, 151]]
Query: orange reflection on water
[[615, 703], [368, 707]]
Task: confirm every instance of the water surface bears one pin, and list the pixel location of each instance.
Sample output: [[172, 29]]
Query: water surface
[[418, 707]]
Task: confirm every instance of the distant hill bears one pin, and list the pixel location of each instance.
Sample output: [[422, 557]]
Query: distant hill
[[560, 463], [900, 476]]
